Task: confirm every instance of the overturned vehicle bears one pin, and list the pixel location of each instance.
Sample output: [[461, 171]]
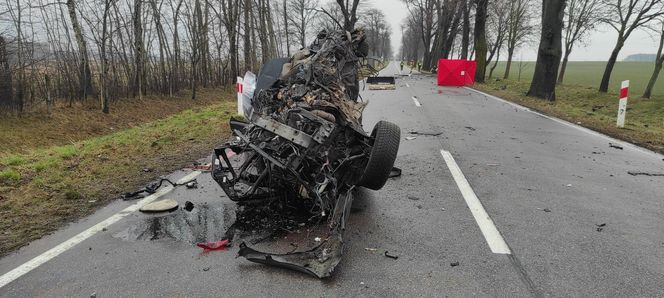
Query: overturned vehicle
[[294, 166]]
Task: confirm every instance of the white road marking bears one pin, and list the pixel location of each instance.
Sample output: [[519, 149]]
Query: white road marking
[[64, 246], [417, 102], [407, 85], [488, 228], [572, 125]]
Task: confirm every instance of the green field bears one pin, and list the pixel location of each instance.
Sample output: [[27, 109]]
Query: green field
[[590, 73]]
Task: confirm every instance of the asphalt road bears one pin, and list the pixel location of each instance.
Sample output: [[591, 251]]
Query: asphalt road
[[574, 221]]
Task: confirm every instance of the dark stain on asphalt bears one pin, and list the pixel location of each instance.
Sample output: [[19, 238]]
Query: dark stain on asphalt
[[202, 224]]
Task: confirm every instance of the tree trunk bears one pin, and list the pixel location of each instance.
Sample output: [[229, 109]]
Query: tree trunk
[[286, 30], [85, 80], [495, 63], [563, 66], [543, 84], [480, 40], [508, 66], [465, 37], [6, 91], [247, 34], [138, 50], [103, 92], [606, 78]]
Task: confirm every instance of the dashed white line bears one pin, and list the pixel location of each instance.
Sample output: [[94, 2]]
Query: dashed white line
[[493, 237], [417, 102], [64, 246]]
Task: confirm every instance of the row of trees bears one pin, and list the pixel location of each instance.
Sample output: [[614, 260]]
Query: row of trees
[[440, 29], [102, 50]]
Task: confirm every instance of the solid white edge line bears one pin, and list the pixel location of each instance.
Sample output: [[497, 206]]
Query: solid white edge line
[[491, 234], [417, 102], [572, 125], [64, 246]]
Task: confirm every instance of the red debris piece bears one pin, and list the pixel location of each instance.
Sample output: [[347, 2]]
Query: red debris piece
[[215, 245]]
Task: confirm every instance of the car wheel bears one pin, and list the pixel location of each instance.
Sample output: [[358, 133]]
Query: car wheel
[[386, 137]]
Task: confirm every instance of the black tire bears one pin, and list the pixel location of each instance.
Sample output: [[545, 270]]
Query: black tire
[[386, 136]]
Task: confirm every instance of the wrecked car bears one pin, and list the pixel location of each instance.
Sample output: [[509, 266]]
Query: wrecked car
[[294, 164]]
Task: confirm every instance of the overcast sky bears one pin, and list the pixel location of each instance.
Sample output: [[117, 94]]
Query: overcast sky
[[599, 47]]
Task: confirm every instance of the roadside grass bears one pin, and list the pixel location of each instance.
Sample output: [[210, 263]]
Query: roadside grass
[[587, 107], [41, 189], [65, 124], [589, 74]]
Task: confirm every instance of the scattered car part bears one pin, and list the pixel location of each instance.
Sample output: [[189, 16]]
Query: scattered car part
[[394, 257], [215, 245], [167, 205], [381, 83]]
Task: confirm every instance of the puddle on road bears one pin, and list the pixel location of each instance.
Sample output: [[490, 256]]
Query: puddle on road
[[204, 223]]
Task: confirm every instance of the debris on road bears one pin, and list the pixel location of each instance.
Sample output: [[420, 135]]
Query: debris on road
[[370, 249], [394, 257], [381, 83], [646, 174], [432, 134], [152, 188], [395, 172], [614, 146], [600, 227], [470, 128], [413, 198], [192, 185], [215, 245], [410, 138], [188, 206], [302, 154], [546, 210], [167, 205], [454, 264]]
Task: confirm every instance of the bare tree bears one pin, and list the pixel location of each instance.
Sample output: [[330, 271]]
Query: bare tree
[[581, 17], [519, 28], [349, 12], [85, 80], [498, 11], [300, 16], [422, 19], [549, 53], [625, 16]]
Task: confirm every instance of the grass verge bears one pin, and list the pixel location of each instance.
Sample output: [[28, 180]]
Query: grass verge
[[587, 107], [67, 124], [42, 189]]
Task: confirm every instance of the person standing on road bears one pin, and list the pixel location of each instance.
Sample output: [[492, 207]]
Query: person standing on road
[[419, 65], [401, 64]]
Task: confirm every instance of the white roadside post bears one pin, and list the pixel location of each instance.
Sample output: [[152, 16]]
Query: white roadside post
[[238, 89], [622, 106]]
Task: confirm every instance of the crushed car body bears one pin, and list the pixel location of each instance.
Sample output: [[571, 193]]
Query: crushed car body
[[293, 167]]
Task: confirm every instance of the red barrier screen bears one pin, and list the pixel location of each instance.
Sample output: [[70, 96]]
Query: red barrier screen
[[456, 72]]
